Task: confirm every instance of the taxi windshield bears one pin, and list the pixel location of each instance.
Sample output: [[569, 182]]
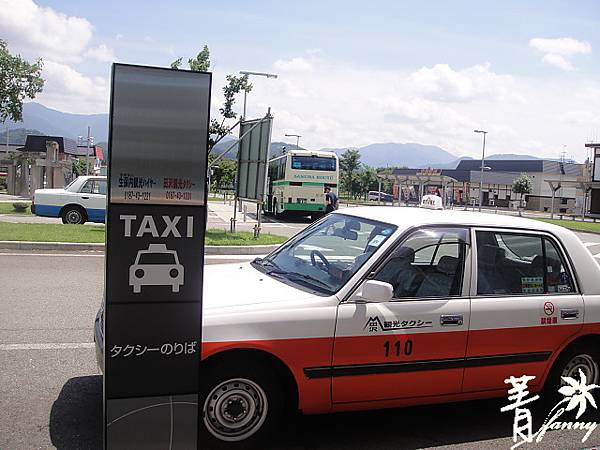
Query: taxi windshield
[[327, 254]]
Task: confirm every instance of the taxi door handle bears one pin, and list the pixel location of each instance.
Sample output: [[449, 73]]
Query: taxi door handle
[[451, 319], [569, 314], [85, 197]]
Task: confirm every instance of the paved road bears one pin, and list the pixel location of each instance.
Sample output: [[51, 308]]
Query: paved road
[[51, 390]]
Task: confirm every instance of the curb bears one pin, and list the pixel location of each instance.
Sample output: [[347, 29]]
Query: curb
[[76, 246]]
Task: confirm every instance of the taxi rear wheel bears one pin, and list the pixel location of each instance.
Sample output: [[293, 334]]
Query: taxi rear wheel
[[241, 405], [578, 358], [73, 215]]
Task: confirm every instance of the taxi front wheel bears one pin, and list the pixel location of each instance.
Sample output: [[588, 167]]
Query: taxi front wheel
[[242, 405]]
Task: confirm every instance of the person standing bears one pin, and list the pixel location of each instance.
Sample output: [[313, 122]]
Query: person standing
[[331, 200]]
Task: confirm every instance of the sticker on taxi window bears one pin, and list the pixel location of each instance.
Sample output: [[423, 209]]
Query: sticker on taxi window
[[532, 285], [377, 240]]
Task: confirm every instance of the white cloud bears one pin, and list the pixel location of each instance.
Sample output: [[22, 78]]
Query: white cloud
[[101, 53], [558, 61], [340, 105], [581, 118], [29, 27], [62, 41], [69, 90], [294, 65], [561, 46], [556, 51], [443, 83]]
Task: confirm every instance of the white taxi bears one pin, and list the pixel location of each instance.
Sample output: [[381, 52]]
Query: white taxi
[[82, 200], [376, 307]]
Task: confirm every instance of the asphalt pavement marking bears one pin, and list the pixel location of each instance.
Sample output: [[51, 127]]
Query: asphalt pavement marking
[[591, 244], [51, 346]]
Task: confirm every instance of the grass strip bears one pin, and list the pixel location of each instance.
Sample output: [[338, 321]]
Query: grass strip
[[593, 227], [50, 232]]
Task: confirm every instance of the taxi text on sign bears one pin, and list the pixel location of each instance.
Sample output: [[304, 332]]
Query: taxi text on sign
[[154, 256]]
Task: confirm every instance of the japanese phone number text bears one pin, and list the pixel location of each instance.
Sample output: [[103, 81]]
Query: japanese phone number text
[[135, 195]]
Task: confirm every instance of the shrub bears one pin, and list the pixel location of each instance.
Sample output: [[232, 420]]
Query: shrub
[[20, 206]]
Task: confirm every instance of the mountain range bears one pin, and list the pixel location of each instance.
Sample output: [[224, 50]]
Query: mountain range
[[56, 123], [52, 122]]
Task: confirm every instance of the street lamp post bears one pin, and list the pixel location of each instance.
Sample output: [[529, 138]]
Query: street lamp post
[[89, 140], [297, 136], [87, 151], [482, 168], [260, 74]]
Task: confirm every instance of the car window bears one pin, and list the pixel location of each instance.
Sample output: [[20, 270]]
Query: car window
[[100, 187], [429, 263], [326, 255], [68, 186], [88, 187], [519, 264], [558, 278]]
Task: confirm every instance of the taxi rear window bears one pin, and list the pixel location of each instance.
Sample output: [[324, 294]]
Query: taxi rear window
[[520, 264]]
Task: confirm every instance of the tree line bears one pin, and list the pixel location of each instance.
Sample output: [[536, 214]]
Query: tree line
[[357, 178]]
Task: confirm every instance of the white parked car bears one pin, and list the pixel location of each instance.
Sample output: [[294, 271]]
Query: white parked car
[[377, 307], [376, 195], [83, 200]]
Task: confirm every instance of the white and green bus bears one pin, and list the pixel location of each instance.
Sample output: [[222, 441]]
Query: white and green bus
[[297, 181]]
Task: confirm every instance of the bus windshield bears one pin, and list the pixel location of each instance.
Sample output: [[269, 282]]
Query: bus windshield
[[314, 163]]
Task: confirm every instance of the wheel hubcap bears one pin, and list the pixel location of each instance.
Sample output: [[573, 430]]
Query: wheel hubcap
[[586, 364], [235, 409], [73, 217]]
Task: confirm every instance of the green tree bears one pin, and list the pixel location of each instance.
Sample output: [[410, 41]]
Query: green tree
[[235, 85], [349, 164], [223, 172], [19, 80], [368, 180], [522, 185], [79, 167]]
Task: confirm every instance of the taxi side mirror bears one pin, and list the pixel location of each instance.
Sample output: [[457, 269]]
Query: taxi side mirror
[[377, 291]]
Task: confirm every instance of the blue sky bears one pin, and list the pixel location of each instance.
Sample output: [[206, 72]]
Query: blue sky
[[392, 35], [350, 73]]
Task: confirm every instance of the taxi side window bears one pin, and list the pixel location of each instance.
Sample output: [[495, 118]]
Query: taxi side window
[[519, 264], [88, 188], [558, 278], [429, 263], [100, 187]]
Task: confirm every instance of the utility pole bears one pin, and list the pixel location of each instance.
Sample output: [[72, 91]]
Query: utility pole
[[482, 168]]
